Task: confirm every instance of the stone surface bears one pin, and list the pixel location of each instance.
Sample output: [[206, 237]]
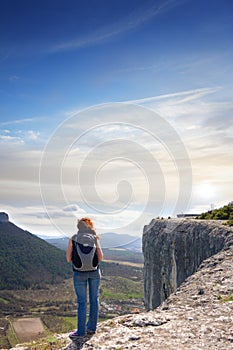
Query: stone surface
[[174, 249]]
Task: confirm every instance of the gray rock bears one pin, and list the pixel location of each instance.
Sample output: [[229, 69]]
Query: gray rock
[[174, 249]]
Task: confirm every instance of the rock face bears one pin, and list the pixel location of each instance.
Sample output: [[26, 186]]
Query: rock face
[[174, 249], [4, 217]]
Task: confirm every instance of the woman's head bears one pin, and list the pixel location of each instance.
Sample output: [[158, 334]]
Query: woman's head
[[85, 223]]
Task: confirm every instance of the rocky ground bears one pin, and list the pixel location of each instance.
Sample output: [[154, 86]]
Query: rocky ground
[[198, 316]]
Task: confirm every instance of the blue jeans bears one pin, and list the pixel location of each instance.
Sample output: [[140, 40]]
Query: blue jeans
[[81, 280]]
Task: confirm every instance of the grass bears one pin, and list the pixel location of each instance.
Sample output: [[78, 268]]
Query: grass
[[106, 295], [229, 298], [59, 324], [121, 288], [4, 344], [11, 335], [127, 263], [4, 301], [71, 320], [51, 339], [47, 343], [226, 299]]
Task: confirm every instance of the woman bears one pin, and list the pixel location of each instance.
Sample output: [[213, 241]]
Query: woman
[[82, 253]]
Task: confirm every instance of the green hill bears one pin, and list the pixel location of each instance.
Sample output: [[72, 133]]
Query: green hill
[[27, 261], [224, 213]]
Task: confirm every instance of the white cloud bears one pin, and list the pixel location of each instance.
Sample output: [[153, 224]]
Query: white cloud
[[17, 121], [33, 135], [11, 140], [111, 152], [20, 121], [20, 137], [74, 208], [176, 96], [36, 220]]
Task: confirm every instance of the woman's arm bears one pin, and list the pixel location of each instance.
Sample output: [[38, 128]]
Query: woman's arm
[[99, 250], [69, 251]]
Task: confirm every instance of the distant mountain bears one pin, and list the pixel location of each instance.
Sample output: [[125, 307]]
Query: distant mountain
[[135, 246], [28, 261], [115, 240], [108, 240], [60, 243], [116, 247]]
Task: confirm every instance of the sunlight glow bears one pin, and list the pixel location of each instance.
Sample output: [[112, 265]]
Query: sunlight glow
[[205, 190]]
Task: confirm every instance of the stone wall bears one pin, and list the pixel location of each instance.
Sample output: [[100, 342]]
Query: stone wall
[[173, 250]]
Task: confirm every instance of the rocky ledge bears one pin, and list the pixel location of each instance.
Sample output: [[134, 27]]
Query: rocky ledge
[[198, 316]]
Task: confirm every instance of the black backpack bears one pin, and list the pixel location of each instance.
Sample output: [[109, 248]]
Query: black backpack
[[84, 256]]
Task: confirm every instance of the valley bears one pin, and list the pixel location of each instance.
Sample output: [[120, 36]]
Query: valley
[[55, 305], [36, 287]]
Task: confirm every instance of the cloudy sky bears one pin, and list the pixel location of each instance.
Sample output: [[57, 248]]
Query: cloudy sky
[[119, 110]]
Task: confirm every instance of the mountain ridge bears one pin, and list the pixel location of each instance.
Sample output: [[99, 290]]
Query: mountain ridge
[[26, 261], [108, 240]]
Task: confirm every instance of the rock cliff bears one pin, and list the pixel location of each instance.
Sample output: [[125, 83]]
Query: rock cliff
[[174, 249]]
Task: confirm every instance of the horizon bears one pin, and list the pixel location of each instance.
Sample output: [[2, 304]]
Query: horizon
[[120, 111]]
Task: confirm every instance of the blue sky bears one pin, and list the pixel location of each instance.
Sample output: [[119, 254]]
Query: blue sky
[[60, 57]]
